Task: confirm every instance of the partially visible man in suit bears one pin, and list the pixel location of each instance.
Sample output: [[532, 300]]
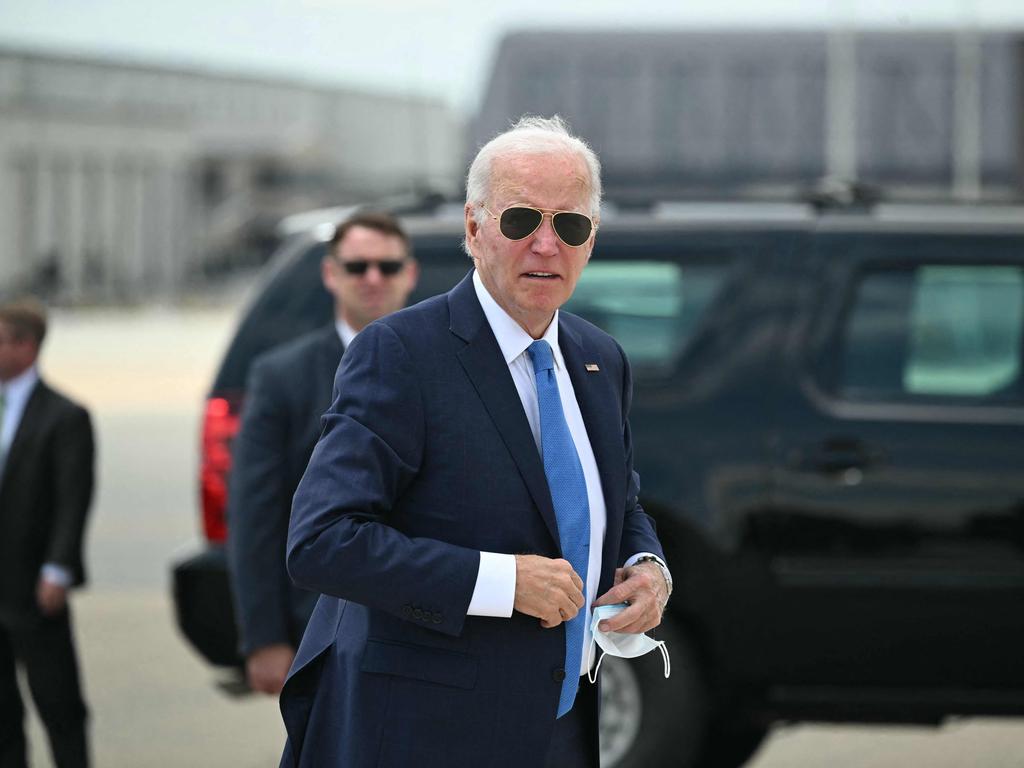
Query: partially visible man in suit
[[370, 271], [46, 485], [472, 497]]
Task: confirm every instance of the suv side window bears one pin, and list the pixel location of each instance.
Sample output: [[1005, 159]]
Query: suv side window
[[935, 331], [652, 308]]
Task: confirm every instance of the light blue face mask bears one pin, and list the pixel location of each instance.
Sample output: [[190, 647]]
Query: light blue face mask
[[623, 644]]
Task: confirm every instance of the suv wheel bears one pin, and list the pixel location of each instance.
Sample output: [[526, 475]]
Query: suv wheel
[[647, 720]]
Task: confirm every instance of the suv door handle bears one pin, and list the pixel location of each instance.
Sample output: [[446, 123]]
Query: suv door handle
[[834, 456]]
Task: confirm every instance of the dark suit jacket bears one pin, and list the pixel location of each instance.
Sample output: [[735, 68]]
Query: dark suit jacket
[[288, 391], [45, 493], [426, 459]]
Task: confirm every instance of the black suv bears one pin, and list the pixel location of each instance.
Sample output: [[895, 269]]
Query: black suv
[[829, 426]]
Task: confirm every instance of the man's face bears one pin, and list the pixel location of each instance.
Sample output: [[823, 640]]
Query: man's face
[[362, 298], [532, 277], [16, 355]]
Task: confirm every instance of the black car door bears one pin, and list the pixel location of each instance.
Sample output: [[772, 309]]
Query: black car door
[[896, 532]]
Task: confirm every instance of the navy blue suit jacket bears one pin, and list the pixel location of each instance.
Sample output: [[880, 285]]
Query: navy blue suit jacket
[[289, 388], [426, 458]]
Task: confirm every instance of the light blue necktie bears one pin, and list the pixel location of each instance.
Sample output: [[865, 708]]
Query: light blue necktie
[[569, 496]]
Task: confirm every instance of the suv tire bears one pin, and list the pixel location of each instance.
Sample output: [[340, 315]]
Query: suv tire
[[647, 720]]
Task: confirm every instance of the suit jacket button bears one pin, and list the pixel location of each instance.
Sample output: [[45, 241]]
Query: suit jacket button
[[558, 675], [407, 611], [436, 618], [417, 613]]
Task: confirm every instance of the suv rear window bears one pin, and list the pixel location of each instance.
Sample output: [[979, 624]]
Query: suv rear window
[[651, 308], [935, 331]]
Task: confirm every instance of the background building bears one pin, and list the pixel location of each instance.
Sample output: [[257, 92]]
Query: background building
[[119, 180], [921, 114]]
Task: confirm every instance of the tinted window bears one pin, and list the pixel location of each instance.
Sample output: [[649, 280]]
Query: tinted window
[[935, 331], [293, 303], [651, 307]]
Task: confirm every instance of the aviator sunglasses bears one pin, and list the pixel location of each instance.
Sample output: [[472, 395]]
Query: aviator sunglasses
[[387, 267], [519, 221]]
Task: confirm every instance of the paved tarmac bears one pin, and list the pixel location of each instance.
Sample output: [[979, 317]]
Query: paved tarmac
[[144, 374]]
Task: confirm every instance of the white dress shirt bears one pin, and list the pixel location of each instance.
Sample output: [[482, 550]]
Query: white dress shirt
[[17, 392], [494, 593], [345, 332]]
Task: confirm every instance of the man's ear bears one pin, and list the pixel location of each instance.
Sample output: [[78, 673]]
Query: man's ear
[[472, 225], [327, 272], [414, 273]]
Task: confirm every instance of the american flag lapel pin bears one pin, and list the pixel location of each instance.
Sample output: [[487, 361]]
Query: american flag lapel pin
[[592, 367]]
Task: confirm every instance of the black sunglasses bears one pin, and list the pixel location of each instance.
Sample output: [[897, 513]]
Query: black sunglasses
[[520, 221], [387, 267]]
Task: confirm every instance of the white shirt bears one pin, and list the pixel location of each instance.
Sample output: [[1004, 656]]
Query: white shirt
[[17, 392], [345, 332], [494, 593]]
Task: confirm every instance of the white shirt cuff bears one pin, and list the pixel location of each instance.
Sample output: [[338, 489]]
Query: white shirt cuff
[[495, 590], [56, 574]]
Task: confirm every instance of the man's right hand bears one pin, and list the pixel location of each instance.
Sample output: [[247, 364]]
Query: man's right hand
[[548, 589], [267, 667]]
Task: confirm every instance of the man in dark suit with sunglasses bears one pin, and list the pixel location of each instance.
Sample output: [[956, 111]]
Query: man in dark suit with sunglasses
[[370, 272], [472, 497], [47, 456]]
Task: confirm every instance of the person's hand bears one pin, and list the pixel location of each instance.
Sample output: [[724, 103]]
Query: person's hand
[[643, 587], [548, 589], [266, 668], [51, 598]]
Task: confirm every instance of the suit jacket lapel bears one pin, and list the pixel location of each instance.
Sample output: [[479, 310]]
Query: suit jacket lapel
[[600, 407], [486, 368], [329, 352]]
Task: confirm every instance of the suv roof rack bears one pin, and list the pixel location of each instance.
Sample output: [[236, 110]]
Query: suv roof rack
[[835, 195]]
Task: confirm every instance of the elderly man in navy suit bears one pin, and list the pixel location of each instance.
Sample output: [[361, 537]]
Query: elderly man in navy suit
[[369, 271], [472, 498]]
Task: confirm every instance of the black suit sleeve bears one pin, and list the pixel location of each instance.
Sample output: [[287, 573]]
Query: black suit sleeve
[[259, 500], [73, 465]]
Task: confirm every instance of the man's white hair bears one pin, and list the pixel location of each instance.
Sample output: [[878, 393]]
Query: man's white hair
[[530, 135]]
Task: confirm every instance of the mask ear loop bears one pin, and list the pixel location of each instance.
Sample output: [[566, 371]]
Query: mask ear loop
[[592, 673], [664, 656]]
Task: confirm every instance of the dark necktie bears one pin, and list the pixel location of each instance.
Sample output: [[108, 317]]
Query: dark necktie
[[569, 496]]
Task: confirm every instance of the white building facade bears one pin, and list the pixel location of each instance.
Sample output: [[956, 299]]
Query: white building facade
[[118, 180]]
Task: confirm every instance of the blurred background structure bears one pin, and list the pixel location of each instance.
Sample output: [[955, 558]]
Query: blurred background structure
[[120, 180], [924, 115], [144, 150]]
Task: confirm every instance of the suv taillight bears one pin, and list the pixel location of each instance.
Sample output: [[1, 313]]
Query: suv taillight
[[220, 423]]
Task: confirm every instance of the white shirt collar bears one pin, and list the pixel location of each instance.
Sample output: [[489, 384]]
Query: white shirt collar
[[345, 332], [512, 339], [18, 389]]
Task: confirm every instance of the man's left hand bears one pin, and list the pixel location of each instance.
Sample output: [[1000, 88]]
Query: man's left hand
[[643, 587], [51, 597]]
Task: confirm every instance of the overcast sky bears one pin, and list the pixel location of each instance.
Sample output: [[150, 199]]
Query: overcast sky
[[432, 47]]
